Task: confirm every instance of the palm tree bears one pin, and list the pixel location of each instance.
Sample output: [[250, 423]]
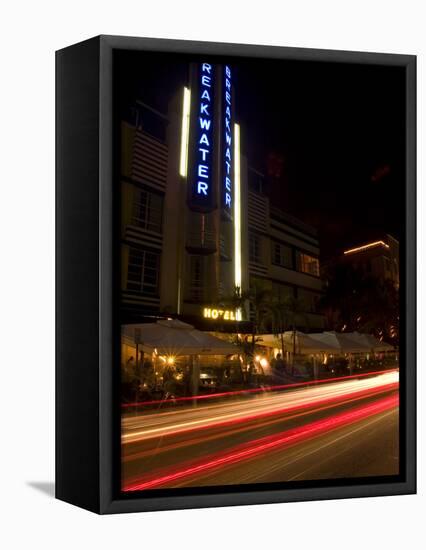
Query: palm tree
[[380, 311], [358, 301], [296, 312], [279, 321], [236, 302], [259, 300]]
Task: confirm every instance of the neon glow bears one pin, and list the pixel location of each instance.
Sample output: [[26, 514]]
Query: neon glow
[[203, 164], [227, 140], [186, 109], [223, 314], [269, 443], [237, 213], [366, 247]]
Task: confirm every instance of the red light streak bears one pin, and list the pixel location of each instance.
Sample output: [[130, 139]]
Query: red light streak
[[360, 394], [256, 390], [268, 443], [238, 429]]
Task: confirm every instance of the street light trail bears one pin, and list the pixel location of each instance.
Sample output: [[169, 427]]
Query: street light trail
[[254, 390], [234, 418], [240, 427], [264, 445]]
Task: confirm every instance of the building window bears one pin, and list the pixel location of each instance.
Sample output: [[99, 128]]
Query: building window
[[196, 278], [281, 292], [254, 248], [151, 122], [309, 300], [387, 265], [307, 264], [147, 210], [143, 271], [282, 255], [200, 233], [255, 181]]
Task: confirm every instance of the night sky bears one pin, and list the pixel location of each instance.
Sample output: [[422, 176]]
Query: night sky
[[330, 137]]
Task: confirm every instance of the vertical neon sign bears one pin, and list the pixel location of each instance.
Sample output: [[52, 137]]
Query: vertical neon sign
[[227, 191], [202, 185], [237, 213]]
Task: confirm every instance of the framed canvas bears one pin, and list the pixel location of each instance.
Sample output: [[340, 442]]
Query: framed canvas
[[235, 274]]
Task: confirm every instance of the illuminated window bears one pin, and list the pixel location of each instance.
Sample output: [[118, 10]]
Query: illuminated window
[[282, 255], [307, 264], [254, 248], [143, 271], [147, 210]]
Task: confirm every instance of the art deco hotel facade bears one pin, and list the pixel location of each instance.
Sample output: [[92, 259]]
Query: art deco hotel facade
[[196, 221]]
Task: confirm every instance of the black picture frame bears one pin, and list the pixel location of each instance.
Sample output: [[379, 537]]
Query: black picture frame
[[86, 415]]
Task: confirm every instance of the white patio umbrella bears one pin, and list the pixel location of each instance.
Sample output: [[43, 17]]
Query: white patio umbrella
[[341, 342], [369, 340], [173, 337], [304, 343]]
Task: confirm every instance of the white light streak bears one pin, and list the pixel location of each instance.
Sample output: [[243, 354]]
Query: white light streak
[[183, 167], [237, 212]]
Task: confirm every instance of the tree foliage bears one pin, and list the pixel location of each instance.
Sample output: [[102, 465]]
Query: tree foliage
[[354, 300]]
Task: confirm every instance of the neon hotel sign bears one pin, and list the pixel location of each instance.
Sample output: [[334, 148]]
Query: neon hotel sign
[[203, 177], [215, 313]]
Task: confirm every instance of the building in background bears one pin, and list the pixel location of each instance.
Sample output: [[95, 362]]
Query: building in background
[[361, 289], [378, 259], [196, 221]]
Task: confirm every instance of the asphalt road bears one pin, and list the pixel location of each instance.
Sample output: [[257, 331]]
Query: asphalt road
[[341, 429]]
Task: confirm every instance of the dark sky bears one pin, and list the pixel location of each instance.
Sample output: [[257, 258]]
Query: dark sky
[[330, 136]]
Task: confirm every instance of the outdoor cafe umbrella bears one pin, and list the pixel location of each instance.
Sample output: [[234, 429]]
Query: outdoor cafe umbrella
[[370, 341], [174, 337], [341, 342], [304, 343]]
